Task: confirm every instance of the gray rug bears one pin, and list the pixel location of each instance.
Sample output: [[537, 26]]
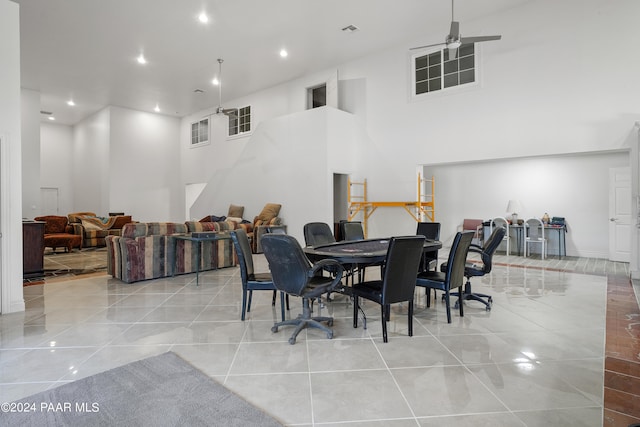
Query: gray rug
[[163, 390]]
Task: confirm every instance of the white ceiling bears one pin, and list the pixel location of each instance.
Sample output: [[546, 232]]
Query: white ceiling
[[86, 49]]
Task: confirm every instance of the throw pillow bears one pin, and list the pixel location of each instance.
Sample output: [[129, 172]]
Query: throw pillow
[[270, 211], [234, 219], [235, 211]]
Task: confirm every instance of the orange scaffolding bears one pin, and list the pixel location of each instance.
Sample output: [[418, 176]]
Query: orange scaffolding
[[421, 209]]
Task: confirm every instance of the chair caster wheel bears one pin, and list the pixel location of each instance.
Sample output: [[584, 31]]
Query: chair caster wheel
[[488, 307], [330, 322], [490, 299], [456, 305], [274, 329], [330, 335], [292, 340]]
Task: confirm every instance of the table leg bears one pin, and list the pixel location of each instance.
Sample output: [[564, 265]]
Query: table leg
[[198, 263]]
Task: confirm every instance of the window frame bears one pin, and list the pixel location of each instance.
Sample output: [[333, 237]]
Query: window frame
[[238, 119], [199, 124], [443, 90]]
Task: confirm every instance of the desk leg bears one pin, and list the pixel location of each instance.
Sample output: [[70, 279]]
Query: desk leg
[[197, 263], [174, 264]]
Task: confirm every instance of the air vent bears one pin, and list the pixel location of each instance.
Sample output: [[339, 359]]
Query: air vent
[[198, 91], [350, 28], [47, 113]]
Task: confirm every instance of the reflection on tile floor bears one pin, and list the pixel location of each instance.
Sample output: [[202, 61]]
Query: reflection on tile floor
[[535, 359]]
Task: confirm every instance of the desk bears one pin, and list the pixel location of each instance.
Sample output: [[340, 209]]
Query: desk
[[367, 251], [198, 240], [562, 244]]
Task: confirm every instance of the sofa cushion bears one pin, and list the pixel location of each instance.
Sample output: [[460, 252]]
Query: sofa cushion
[[76, 216], [165, 228], [134, 229], [236, 211], [270, 211]]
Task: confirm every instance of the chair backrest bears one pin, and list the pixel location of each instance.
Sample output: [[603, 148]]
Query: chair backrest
[[534, 229], [352, 230], [243, 250], [498, 222], [317, 233], [430, 230], [288, 263], [490, 246], [457, 259], [401, 268]]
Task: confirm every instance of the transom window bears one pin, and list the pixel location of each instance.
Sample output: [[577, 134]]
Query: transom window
[[436, 71], [242, 123]]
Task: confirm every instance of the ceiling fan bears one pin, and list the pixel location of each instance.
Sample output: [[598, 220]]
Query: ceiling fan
[[231, 112], [454, 39]]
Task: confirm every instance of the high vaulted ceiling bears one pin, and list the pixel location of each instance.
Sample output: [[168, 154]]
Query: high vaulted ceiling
[[86, 50]]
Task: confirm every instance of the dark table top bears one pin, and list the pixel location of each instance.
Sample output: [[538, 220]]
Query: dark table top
[[366, 251]]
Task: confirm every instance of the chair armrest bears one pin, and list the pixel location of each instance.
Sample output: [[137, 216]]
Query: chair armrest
[[330, 265]]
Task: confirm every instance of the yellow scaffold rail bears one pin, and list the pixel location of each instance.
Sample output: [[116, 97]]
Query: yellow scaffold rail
[[421, 209]]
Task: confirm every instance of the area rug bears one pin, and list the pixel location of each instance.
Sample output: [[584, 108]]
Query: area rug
[[163, 390]]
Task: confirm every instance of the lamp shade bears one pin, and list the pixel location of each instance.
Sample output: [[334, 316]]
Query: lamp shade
[[514, 206]]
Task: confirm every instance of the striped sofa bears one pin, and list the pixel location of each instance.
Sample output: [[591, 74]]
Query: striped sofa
[[148, 251]]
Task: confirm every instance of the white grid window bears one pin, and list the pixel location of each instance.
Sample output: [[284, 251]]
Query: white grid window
[[242, 123], [200, 132], [436, 71]]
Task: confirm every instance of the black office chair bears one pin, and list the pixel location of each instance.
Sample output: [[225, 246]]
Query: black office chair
[[398, 283], [252, 281], [294, 274], [352, 230], [453, 277], [431, 231], [317, 233], [472, 269]]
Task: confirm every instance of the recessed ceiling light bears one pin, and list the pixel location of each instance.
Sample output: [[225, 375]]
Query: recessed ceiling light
[[215, 81], [141, 59], [350, 28], [157, 108], [70, 103], [51, 118], [203, 17], [284, 53]]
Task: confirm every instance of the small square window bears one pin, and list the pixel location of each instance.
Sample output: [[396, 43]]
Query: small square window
[[240, 123], [200, 132]]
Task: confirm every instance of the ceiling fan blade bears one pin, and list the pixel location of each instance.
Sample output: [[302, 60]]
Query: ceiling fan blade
[[429, 45], [467, 40], [231, 112]]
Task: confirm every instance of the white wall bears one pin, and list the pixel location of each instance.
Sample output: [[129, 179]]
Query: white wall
[[10, 161], [30, 128], [542, 184], [288, 160], [90, 172], [56, 165], [143, 173]]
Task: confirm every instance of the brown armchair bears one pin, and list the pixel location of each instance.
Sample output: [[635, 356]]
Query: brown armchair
[[58, 233]]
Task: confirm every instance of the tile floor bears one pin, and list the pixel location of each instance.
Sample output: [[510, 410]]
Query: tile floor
[[535, 359]]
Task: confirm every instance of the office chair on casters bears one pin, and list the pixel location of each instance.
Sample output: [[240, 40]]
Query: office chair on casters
[[252, 281], [431, 231], [472, 269], [398, 283], [453, 277], [294, 274], [317, 233]]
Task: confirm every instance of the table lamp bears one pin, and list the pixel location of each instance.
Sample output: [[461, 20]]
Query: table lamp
[[514, 207]]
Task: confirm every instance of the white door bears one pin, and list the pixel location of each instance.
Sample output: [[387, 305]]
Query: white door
[[620, 214], [49, 201]]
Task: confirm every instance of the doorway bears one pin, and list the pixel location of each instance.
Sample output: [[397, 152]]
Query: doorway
[[340, 201], [620, 214]]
